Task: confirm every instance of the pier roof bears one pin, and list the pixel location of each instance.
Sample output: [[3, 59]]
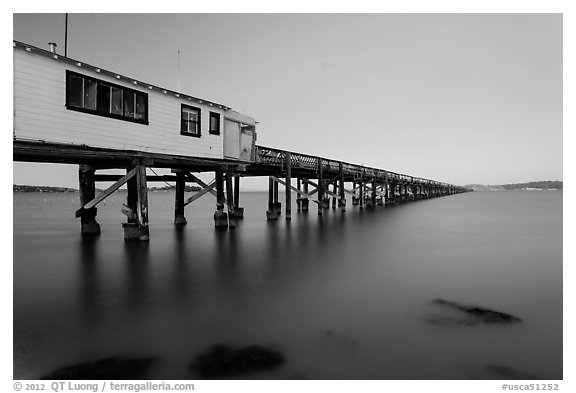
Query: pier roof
[[81, 65]]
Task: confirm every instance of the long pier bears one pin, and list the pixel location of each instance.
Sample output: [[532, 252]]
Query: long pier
[[317, 179]]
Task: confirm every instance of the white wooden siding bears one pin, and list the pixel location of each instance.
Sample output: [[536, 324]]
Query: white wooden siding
[[40, 114]]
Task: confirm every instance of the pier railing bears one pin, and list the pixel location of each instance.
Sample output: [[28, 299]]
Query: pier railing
[[277, 158]]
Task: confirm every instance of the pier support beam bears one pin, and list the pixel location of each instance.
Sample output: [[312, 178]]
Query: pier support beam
[[238, 211], [179, 218], [381, 196], [298, 198], [274, 207], [137, 207], [320, 187], [335, 191], [230, 200], [342, 199], [361, 193], [355, 199], [288, 184], [220, 216], [305, 201], [87, 190], [373, 195], [386, 190]]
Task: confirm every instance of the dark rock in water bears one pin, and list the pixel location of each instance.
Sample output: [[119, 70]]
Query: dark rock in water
[[490, 316], [339, 341], [109, 368], [503, 372], [222, 361], [476, 314], [444, 320]]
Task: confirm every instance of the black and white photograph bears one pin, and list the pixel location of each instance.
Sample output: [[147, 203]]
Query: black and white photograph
[[254, 196]]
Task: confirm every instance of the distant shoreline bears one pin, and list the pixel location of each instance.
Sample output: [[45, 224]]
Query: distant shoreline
[[547, 185], [49, 189]]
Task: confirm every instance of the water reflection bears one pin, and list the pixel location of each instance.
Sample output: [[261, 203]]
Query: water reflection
[[88, 280], [359, 283], [182, 265], [136, 293]]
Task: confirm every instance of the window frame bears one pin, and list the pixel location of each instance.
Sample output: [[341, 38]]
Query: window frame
[[217, 116], [199, 122], [109, 114]]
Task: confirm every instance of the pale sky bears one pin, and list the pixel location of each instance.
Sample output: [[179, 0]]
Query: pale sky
[[459, 98]]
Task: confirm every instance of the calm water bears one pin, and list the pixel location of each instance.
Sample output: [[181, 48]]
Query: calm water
[[347, 296]]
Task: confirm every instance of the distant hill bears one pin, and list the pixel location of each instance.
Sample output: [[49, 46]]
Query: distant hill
[[535, 185], [22, 188]]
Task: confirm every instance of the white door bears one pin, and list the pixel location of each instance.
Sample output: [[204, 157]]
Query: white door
[[231, 139], [246, 143]]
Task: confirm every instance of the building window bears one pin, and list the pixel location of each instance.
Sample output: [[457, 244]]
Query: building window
[[214, 123], [94, 96], [190, 121]]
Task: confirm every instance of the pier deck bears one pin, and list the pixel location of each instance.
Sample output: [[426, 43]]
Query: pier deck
[[314, 175]]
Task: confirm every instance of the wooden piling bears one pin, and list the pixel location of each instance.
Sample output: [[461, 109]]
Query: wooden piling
[[270, 194], [361, 193], [386, 191], [179, 218], [277, 203], [142, 203], [298, 197], [220, 216], [355, 198], [373, 196], [136, 227], [320, 187], [342, 200], [230, 200], [335, 191], [131, 226], [305, 201], [238, 211], [288, 189], [87, 191], [272, 212]]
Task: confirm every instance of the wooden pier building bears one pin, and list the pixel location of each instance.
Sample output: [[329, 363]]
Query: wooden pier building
[[67, 111]]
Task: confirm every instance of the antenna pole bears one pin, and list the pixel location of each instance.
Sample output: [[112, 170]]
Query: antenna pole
[[178, 70], [66, 37]]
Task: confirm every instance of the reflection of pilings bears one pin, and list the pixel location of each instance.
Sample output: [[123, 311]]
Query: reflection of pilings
[[137, 268], [89, 280]]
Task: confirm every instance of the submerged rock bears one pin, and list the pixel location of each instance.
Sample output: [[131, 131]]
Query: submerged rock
[[224, 361], [108, 368], [472, 315], [503, 372], [444, 320], [341, 342]]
